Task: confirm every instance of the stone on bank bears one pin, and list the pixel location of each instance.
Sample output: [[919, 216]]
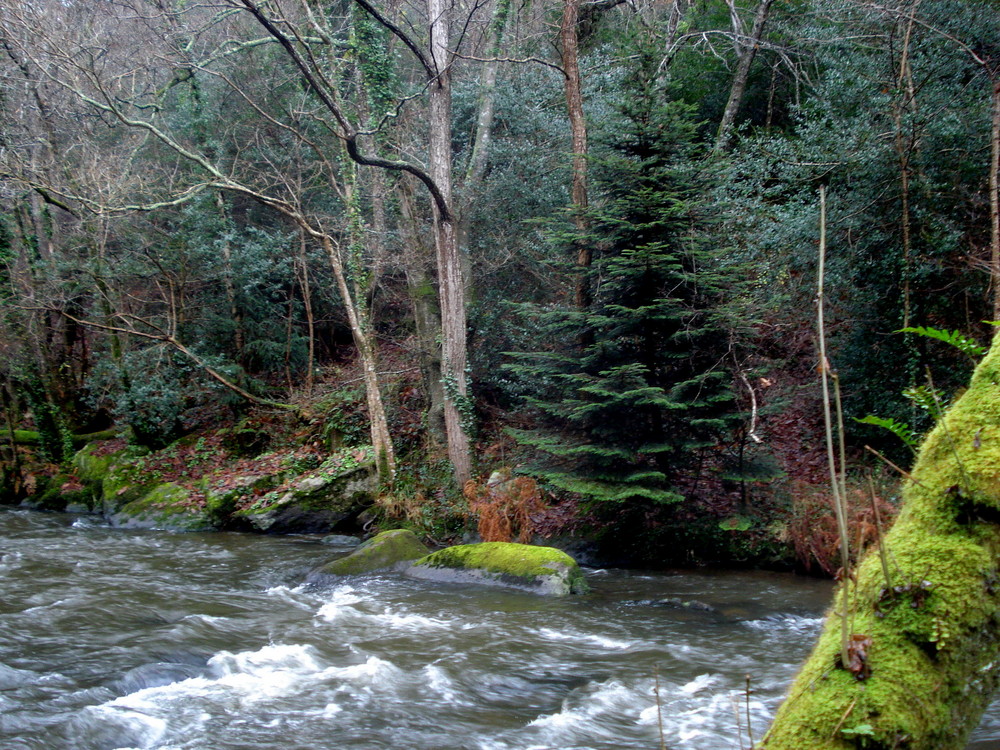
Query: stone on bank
[[540, 570]]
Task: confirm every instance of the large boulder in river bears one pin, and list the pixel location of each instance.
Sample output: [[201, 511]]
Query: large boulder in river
[[390, 550], [540, 570]]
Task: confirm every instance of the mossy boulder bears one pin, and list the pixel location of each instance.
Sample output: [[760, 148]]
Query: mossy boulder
[[92, 464], [540, 570], [63, 492], [323, 500], [115, 477], [390, 550], [167, 506]]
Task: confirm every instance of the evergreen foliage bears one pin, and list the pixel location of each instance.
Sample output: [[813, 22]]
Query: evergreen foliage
[[637, 386]]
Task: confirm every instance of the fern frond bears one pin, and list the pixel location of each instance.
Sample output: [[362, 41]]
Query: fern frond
[[900, 429], [960, 341]]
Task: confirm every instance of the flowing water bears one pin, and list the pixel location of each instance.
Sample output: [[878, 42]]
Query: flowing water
[[139, 639]]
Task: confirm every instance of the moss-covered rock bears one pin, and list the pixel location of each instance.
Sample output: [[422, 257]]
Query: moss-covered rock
[[541, 570], [63, 492], [390, 550], [91, 464], [167, 506], [323, 500], [924, 647]]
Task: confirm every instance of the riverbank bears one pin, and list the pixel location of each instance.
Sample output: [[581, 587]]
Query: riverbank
[[273, 473]]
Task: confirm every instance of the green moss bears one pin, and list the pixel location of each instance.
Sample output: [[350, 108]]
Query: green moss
[[166, 506], [523, 564], [935, 629], [89, 467], [382, 552]]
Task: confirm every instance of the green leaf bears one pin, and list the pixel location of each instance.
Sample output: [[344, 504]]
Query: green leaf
[[960, 341], [900, 429]]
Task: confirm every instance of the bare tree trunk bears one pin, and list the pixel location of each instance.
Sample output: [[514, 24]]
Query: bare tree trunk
[[482, 136], [904, 149], [303, 273], [457, 411], [385, 455], [426, 314], [578, 130], [227, 269], [741, 77]]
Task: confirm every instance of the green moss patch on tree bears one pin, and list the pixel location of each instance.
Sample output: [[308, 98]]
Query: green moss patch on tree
[[543, 570], [925, 646]]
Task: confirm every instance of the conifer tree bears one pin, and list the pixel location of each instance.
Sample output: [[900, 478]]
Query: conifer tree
[[638, 385]]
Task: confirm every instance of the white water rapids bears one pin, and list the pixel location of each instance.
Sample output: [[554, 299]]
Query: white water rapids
[[117, 639]]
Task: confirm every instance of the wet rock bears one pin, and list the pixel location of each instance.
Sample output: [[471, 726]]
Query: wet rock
[[688, 604], [540, 570], [166, 506], [390, 550], [335, 494]]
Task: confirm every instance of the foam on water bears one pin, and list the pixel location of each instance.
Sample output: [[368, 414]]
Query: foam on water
[[576, 637], [793, 623]]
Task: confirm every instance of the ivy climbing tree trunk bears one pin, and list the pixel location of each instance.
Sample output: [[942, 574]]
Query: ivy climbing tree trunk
[[451, 286], [924, 647]]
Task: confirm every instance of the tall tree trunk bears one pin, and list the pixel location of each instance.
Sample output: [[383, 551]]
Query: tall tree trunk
[[742, 76], [426, 313], [302, 271], [457, 411], [227, 270], [476, 167], [385, 455], [578, 129], [904, 149], [924, 646]]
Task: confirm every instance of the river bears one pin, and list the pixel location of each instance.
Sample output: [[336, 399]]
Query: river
[[141, 639]]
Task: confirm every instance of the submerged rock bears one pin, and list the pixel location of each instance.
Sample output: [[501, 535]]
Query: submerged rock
[[340, 540], [540, 570], [390, 550]]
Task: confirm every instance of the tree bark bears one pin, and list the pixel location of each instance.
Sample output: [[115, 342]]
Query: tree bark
[[741, 77], [426, 314], [569, 43], [451, 285], [925, 646], [385, 456]]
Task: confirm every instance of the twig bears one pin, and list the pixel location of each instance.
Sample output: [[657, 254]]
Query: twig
[[659, 706], [824, 366], [904, 472], [883, 558], [749, 728], [844, 717]]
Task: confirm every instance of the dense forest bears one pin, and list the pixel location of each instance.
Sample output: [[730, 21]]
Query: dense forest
[[580, 240]]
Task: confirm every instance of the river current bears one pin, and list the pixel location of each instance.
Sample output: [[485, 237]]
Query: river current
[[142, 639]]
